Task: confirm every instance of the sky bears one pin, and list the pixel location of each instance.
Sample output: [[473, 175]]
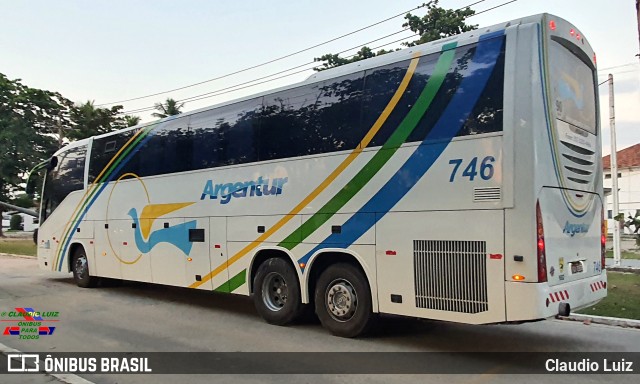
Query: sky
[[113, 50]]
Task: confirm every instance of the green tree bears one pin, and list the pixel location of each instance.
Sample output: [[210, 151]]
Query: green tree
[[333, 60], [23, 200], [14, 222], [28, 126], [87, 120], [130, 121], [436, 24], [169, 108]]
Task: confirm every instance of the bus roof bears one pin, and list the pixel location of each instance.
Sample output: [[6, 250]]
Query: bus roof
[[392, 57]]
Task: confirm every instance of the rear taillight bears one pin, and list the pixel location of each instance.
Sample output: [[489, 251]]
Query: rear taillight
[[542, 260], [603, 239]]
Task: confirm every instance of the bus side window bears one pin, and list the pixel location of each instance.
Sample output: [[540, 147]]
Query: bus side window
[[380, 85], [486, 115], [338, 120]]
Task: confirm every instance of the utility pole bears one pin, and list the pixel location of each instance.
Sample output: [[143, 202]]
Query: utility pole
[[638, 16], [614, 175], [60, 131]]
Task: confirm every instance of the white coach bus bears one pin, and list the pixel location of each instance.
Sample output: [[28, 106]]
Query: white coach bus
[[459, 180]]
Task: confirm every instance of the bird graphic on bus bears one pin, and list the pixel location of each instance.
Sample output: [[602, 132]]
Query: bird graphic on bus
[[176, 235]]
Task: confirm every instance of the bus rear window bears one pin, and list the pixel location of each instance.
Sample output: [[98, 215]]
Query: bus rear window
[[573, 90]]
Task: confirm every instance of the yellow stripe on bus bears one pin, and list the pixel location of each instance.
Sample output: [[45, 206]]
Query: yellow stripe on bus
[[336, 172]]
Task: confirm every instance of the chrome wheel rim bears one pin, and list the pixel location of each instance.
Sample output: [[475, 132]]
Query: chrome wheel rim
[[274, 291], [81, 267], [341, 300]]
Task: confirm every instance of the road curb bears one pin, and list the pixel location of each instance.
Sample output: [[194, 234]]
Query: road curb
[[19, 256], [68, 378], [592, 319], [624, 269]]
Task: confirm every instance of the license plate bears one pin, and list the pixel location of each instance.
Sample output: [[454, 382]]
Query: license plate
[[576, 267]]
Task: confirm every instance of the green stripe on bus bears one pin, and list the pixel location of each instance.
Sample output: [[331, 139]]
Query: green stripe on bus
[[408, 124], [234, 283]]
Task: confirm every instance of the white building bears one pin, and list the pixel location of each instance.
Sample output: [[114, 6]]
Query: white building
[[29, 223], [628, 184], [6, 220]]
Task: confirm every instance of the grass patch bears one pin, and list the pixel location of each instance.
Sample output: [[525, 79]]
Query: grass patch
[[624, 255], [18, 246], [623, 297]]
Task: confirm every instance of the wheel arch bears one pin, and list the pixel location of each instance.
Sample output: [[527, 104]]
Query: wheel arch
[[72, 250], [324, 258], [265, 253]]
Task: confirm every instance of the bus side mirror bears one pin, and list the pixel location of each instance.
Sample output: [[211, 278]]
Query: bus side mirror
[[31, 186], [52, 163]]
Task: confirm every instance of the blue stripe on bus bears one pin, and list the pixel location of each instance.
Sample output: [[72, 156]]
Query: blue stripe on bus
[[427, 152]]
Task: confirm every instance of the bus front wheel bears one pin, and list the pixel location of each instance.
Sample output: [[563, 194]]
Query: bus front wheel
[[80, 267], [276, 292], [343, 301]]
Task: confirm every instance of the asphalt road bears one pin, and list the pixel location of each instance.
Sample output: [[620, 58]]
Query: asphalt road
[[147, 318]]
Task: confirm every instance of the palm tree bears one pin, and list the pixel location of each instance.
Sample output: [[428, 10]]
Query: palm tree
[[131, 120], [169, 108]]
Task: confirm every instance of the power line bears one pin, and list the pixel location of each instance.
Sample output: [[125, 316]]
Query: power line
[[617, 66], [277, 59], [619, 73], [489, 9], [270, 61], [244, 85]]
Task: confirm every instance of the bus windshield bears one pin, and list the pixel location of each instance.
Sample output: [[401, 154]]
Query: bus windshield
[[573, 88], [65, 176]]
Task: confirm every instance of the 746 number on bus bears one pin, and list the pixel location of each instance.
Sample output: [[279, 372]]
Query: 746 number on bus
[[485, 170]]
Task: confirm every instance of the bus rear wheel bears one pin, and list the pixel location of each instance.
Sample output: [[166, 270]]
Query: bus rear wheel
[[276, 292], [343, 301], [80, 268]]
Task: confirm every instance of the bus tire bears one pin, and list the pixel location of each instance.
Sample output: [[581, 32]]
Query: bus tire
[[276, 292], [80, 268], [343, 301]]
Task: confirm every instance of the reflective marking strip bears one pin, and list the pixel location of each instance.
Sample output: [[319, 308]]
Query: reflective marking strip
[[336, 172]]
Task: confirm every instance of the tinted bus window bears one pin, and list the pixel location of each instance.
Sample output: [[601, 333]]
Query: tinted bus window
[[226, 135], [317, 118], [381, 84], [66, 176], [486, 115], [336, 123], [104, 149], [573, 87]]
